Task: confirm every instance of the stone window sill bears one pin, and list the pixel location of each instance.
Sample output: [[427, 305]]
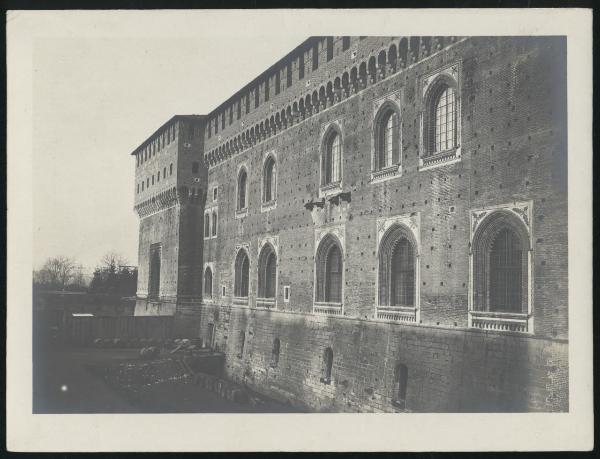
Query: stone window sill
[[387, 173], [397, 313], [501, 321], [332, 309], [267, 206], [241, 213], [329, 189], [266, 303], [240, 300], [443, 158]]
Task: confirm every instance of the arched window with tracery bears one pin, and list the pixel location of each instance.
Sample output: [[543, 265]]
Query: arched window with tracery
[[387, 138], [332, 158], [500, 264], [397, 268], [329, 271], [242, 278], [441, 120], [208, 278], [267, 276], [242, 189], [269, 180]]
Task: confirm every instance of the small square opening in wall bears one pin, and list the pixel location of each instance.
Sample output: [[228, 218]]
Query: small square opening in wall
[[286, 293], [451, 209], [215, 192], [222, 290]]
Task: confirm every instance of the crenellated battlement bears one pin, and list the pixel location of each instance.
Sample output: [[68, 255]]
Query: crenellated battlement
[[344, 67]]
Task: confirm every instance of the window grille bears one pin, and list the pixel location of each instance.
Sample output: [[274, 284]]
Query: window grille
[[333, 280], [445, 120], [505, 272], [402, 274]]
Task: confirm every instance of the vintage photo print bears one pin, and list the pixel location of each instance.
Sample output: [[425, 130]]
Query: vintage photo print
[[368, 221]]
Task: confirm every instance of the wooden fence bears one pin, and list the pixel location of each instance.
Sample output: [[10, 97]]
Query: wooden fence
[[83, 331]]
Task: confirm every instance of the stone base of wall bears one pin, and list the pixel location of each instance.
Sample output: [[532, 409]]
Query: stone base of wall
[[144, 307], [449, 370]]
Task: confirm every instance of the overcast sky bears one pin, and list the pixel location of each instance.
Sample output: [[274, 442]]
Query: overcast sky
[[94, 101]]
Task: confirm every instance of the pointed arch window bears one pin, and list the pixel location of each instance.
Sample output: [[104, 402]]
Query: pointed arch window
[[332, 158], [267, 273], [241, 190], [441, 118], [501, 270], [329, 276], [242, 278], [269, 180], [387, 139], [397, 278]]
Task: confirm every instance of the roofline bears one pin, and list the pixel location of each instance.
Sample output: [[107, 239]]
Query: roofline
[[306, 44], [170, 120], [302, 46]]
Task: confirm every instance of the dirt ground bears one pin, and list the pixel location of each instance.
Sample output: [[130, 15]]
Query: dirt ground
[[71, 380]]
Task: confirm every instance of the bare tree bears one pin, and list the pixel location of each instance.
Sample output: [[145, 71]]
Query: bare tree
[[112, 261], [57, 271]]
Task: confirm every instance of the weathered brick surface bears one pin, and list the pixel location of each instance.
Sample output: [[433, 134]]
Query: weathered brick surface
[[448, 369], [513, 141]]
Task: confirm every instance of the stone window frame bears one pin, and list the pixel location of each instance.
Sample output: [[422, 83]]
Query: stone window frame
[[411, 227], [208, 265], [242, 301], [450, 75], [381, 105], [266, 206], [214, 224], [327, 189], [207, 234], [518, 215], [273, 241], [242, 212], [337, 233]]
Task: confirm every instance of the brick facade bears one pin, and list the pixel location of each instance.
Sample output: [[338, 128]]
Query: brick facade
[[511, 98]]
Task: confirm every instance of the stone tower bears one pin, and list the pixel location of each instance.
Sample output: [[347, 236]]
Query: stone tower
[[170, 190]]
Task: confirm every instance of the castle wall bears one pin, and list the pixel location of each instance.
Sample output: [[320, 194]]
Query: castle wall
[[450, 370], [513, 137]]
